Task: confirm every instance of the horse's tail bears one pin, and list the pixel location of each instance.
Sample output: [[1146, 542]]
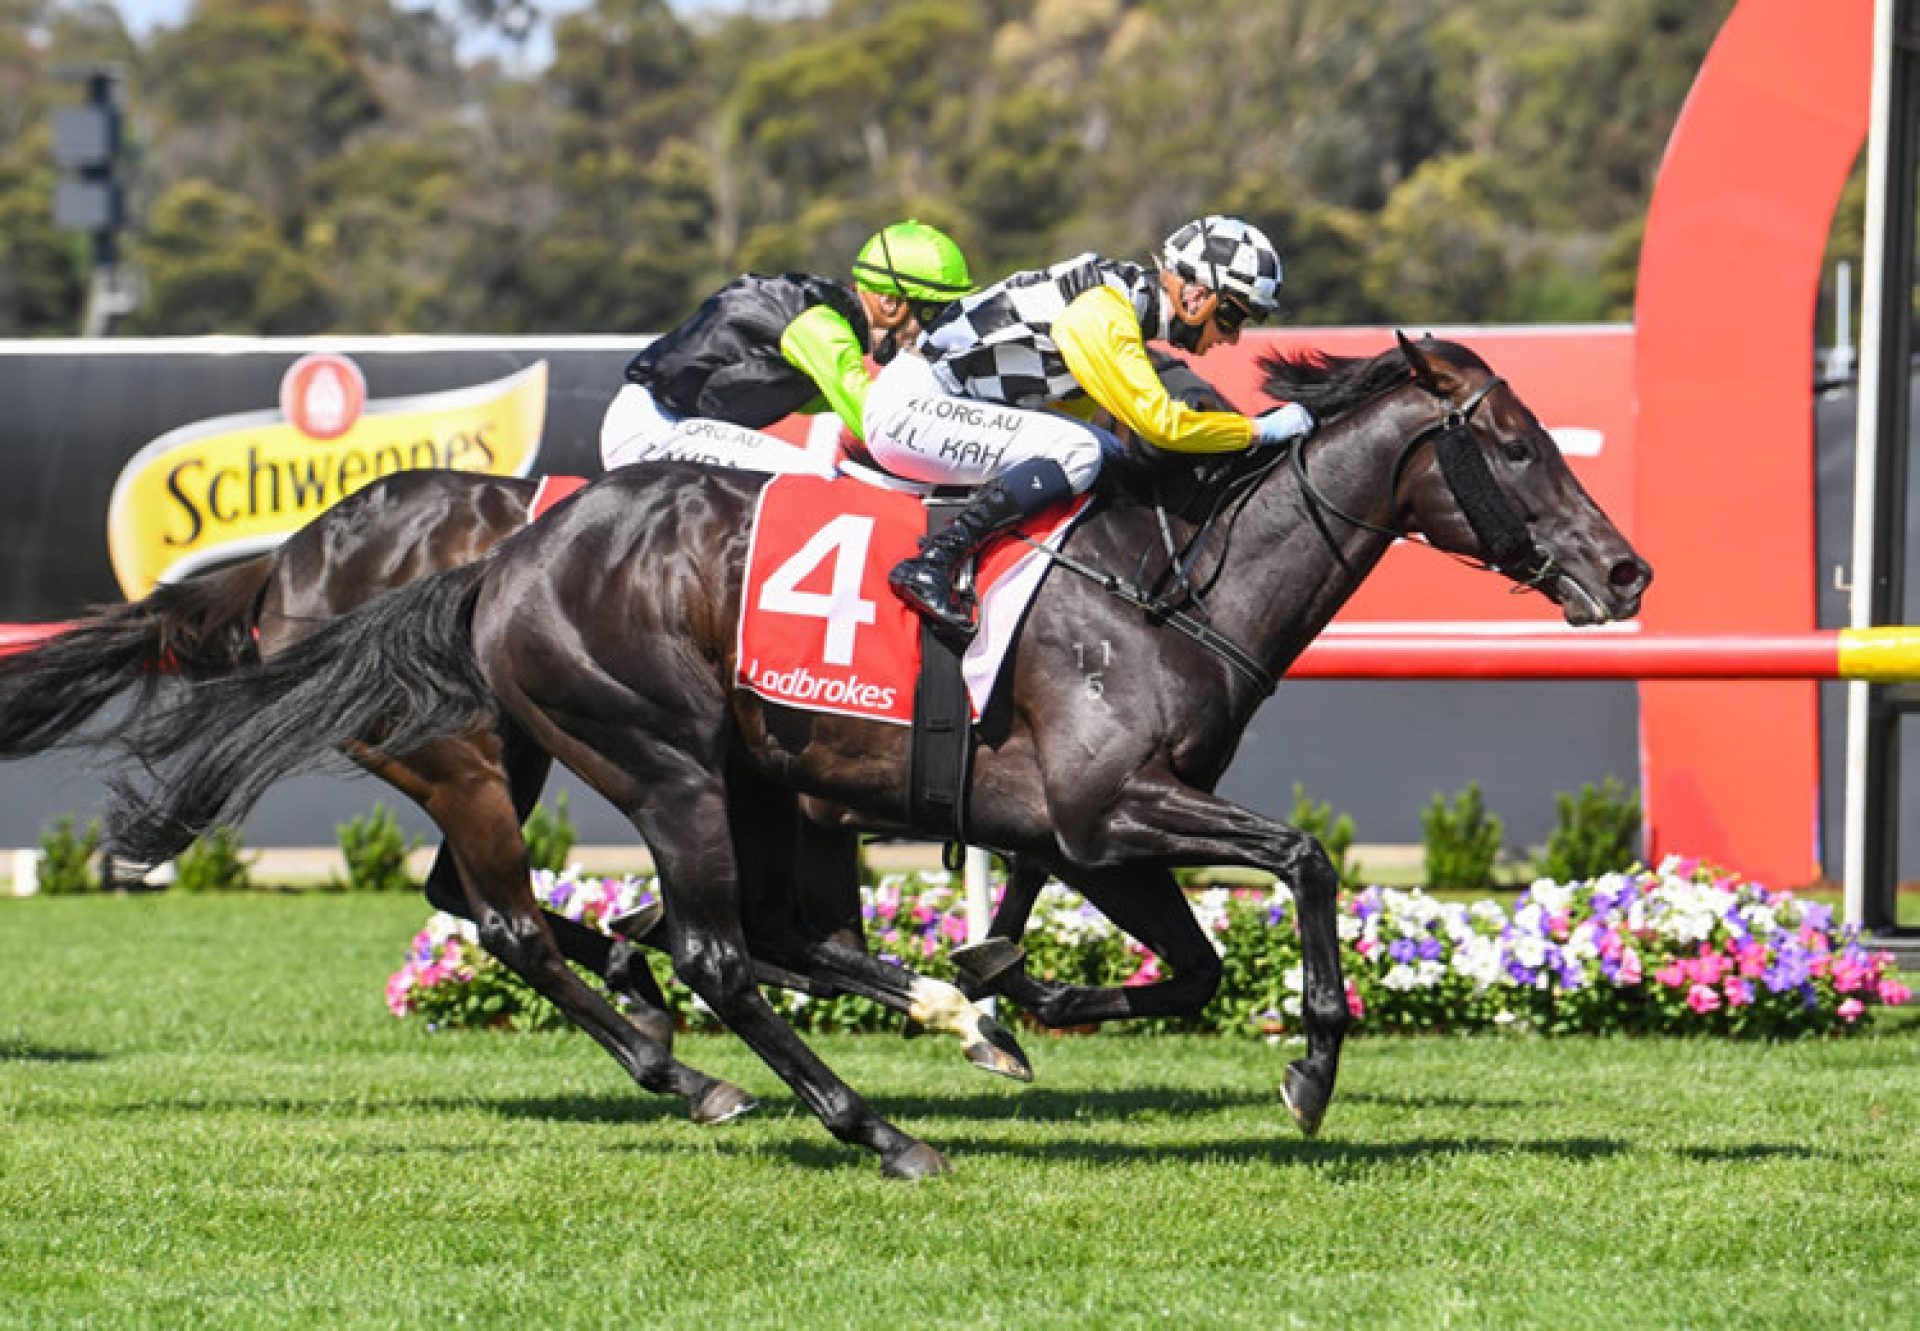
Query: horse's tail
[[389, 678], [199, 628]]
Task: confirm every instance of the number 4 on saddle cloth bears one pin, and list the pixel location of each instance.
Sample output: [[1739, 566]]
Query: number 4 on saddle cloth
[[819, 627]]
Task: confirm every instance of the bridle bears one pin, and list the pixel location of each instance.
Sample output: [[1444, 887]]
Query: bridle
[[1498, 526]]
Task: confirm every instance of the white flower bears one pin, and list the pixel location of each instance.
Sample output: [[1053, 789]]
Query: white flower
[[1528, 949], [1552, 897], [1401, 977]]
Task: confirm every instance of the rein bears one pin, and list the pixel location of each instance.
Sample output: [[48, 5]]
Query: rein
[[1496, 524]]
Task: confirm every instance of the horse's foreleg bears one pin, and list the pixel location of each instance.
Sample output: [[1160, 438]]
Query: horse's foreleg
[[1170, 823], [983, 964], [1147, 903]]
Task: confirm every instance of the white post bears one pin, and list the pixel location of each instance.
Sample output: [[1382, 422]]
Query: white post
[[979, 885], [26, 872], [1866, 455]]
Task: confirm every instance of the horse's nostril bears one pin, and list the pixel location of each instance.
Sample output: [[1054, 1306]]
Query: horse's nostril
[[1629, 574]]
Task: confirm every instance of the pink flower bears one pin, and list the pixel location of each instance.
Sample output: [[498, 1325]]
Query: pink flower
[[1709, 967], [1893, 993], [1753, 960], [1366, 947], [1559, 925], [1702, 999], [1630, 967], [1851, 1010], [399, 991], [1739, 992], [1147, 973], [1673, 975], [1849, 975], [1355, 1004], [955, 929]]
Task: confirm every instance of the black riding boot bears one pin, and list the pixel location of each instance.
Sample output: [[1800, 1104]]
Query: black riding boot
[[925, 582]]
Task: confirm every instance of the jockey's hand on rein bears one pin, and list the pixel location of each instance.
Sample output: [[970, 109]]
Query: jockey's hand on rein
[[1282, 425]]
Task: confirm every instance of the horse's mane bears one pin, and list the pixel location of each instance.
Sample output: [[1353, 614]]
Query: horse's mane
[[1329, 386]]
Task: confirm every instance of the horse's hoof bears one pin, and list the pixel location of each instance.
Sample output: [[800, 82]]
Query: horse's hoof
[[916, 1162], [998, 1052], [911, 1029], [637, 926], [722, 1102], [1305, 1099], [981, 963]]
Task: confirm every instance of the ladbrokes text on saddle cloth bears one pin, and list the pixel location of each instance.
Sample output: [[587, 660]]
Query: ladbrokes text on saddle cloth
[[819, 627]]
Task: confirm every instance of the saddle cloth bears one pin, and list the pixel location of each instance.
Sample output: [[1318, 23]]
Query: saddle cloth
[[819, 627], [552, 490]]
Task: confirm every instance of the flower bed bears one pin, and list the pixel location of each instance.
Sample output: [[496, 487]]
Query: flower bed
[[1683, 948]]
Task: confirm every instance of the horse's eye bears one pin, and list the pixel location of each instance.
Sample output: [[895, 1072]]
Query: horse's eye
[[1516, 450]]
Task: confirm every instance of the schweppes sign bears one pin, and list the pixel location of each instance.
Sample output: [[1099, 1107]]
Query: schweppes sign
[[236, 485]]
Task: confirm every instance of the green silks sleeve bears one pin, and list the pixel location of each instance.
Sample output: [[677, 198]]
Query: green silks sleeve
[[822, 346]]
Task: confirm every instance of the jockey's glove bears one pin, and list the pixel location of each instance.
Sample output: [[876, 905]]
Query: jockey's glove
[[1282, 425]]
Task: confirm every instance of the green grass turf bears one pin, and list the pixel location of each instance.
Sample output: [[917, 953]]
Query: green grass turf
[[207, 1118]]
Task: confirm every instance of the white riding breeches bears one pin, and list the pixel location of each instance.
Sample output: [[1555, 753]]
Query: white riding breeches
[[638, 429], [919, 430]]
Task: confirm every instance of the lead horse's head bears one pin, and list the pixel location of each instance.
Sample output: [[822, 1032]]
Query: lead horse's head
[[1479, 477]]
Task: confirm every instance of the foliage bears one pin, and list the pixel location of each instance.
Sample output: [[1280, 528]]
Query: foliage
[[1597, 831], [1684, 949], [1462, 841], [213, 864], [376, 851], [1335, 834], [360, 166], [550, 835], [70, 858]]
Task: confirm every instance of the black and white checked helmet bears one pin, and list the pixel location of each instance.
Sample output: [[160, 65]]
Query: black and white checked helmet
[[1227, 255]]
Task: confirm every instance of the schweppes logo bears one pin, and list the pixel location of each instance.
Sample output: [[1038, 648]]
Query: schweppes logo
[[236, 485]]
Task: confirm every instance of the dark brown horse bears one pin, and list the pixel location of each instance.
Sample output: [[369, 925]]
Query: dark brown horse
[[607, 636]]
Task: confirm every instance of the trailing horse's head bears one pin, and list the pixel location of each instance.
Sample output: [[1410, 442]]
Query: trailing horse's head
[[1478, 476]]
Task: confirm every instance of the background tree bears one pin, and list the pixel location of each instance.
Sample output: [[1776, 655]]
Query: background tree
[[378, 166]]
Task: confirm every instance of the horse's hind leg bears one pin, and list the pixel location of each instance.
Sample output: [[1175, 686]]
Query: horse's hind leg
[[681, 810], [710, 955], [617, 962], [462, 788], [800, 908]]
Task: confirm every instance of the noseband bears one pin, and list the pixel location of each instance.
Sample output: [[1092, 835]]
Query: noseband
[[1496, 524]]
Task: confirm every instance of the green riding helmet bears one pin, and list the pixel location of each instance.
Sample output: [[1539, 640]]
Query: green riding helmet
[[913, 260]]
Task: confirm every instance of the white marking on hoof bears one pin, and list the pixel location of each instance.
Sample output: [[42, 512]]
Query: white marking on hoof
[[939, 1006]]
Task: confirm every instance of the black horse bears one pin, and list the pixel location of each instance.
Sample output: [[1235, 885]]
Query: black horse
[[807, 933], [607, 636]]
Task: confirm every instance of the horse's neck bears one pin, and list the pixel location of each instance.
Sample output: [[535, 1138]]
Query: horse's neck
[[1286, 575]]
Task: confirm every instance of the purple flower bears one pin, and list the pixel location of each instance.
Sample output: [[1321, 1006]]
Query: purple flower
[[1429, 948], [1403, 950]]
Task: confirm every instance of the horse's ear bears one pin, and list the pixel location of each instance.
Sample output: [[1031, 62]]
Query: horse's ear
[[1434, 376]]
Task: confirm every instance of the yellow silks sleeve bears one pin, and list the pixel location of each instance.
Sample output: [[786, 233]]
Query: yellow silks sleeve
[[1099, 338], [822, 345]]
